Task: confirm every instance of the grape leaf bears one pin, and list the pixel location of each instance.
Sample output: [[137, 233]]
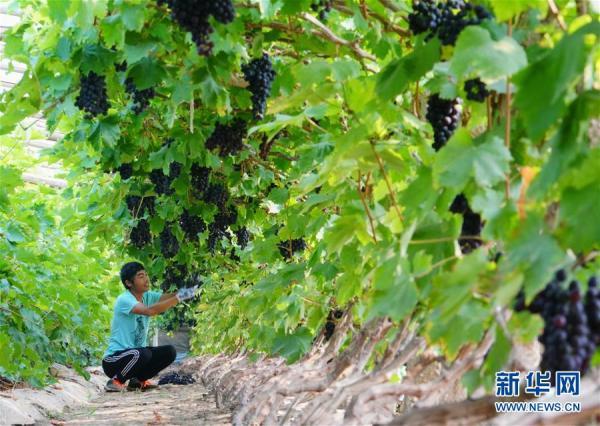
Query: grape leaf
[[461, 160], [478, 55], [552, 75], [398, 74], [533, 253], [580, 214], [504, 10], [292, 346], [394, 293]]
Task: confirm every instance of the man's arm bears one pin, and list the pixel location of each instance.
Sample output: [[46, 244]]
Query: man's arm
[[166, 296], [157, 308]]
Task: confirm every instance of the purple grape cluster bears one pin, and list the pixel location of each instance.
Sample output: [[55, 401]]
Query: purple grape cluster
[[169, 246], [138, 206], [322, 7], [93, 98], [216, 194], [176, 379], [199, 179], [217, 230], [162, 182], [259, 74], [140, 234], [243, 237], [472, 224], [141, 98], [191, 225], [126, 171], [192, 16], [476, 90], [174, 274], [446, 19], [570, 336], [289, 247], [228, 138], [444, 116]]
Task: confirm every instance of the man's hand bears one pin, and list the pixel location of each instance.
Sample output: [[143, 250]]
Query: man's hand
[[187, 293]]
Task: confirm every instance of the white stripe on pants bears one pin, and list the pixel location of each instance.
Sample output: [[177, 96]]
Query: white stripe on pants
[[130, 364]]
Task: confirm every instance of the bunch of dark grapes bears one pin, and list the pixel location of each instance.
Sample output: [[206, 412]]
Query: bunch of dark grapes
[[138, 206], [444, 116], [259, 74], [174, 274], [215, 234], [162, 182], [568, 341], [121, 67], [218, 228], [233, 256], [141, 98], [191, 225], [476, 90], [199, 179], [322, 7], [176, 379], [592, 309], [289, 247], [242, 237], [471, 226], [140, 234], [126, 171], [330, 324], [216, 194], [193, 279], [193, 16], [446, 19], [169, 246], [228, 138], [93, 98]]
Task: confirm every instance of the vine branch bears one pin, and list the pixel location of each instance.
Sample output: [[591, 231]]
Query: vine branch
[[329, 34], [364, 203], [387, 182]]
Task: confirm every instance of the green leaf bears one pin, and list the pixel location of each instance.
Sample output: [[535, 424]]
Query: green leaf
[[14, 234], [525, 327], [348, 285], [132, 16], [568, 142], [533, 254], [57, 10], [552, 75], [113, 31], [134, 53], [147, 73], [394, 293], [21, 101], [472, 317], [460, 160], [476, 54], [96, 58], [292, 346], [394, 78], [505, 10], [580, 214]]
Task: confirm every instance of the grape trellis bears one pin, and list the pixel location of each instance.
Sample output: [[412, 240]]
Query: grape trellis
[[364, 188]]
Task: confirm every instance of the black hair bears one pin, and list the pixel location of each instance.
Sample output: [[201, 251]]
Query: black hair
[[129, 270]]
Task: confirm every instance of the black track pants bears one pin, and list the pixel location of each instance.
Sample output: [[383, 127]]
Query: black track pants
[[142, 363]]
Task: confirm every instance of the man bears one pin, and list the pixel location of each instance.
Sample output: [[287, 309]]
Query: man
[[127, 356]]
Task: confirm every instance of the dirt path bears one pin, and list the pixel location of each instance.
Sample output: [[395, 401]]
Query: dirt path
[[168, 405]]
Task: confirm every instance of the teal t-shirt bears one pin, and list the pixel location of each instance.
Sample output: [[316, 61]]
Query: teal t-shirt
[[129, 330]]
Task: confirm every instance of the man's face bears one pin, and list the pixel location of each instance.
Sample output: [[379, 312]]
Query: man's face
[[141, 282]]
